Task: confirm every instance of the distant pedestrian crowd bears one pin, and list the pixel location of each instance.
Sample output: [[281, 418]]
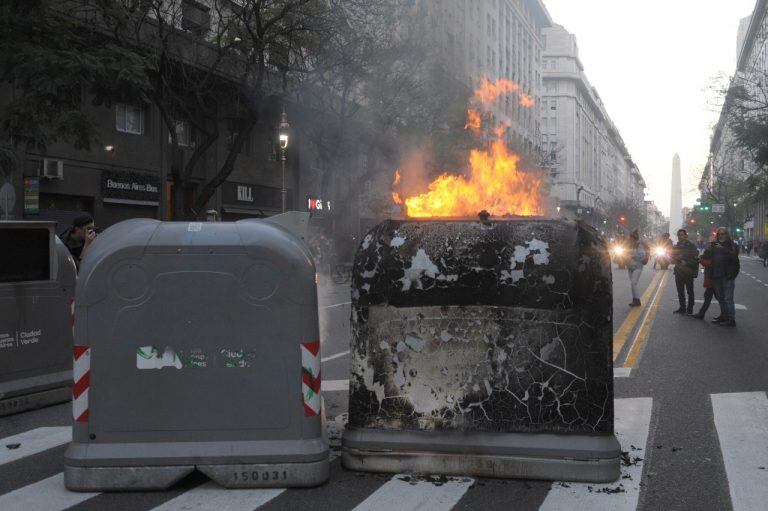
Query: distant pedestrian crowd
[[719, 259]]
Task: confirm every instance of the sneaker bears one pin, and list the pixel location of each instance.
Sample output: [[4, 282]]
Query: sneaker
[[727, 322], [679, 311], [635, 303], [718, 319]]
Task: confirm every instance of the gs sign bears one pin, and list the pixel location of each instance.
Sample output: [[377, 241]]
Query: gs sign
[[318, 204]]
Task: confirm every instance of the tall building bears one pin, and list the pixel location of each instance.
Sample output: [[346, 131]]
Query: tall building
[[676, 197], [495, 39], [590, 165], [727, 162]]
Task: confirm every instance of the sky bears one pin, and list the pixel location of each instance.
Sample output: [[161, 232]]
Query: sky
[[655, 64]]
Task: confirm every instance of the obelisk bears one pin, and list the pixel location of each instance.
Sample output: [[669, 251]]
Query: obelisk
[[676, 199]]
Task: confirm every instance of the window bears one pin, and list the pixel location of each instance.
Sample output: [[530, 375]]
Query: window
[[129, 119], [183, 134]]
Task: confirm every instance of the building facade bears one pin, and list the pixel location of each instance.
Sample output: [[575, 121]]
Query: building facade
[[746, 211], [495, 39], [590, 164]]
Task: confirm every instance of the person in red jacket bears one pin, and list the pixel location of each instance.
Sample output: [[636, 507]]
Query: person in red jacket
[[709, 289]]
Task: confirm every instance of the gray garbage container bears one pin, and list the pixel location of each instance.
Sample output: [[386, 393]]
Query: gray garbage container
[[196, 348], [37, 286], [482, 348]]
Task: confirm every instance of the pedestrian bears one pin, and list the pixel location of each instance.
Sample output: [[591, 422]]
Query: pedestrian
[[79, 237], [725, 269], [764, 253], [686, 259], [636, 258], [709, 290]]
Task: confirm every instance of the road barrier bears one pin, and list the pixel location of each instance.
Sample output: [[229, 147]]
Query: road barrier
[[37, 286], [482, 348], [196, 349]]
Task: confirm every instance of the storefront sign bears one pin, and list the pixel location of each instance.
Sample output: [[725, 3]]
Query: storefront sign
[[253, 197], [314, 204], [130, 188], [31, 195]]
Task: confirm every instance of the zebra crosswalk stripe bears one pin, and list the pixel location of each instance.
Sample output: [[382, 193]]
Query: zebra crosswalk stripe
[[632, 422], [32, 442], [211, 496], [408, 493], [741, 420], [46, 495]]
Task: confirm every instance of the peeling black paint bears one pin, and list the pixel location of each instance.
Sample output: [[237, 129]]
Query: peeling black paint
[[503, 326]]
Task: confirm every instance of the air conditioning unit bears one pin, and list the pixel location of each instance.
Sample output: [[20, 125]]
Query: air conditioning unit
[[53, 169]]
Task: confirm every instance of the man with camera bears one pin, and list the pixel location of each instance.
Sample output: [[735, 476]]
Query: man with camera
[[79, 237]]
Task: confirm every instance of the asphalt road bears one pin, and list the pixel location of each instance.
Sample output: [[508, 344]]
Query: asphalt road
[[691, 412]]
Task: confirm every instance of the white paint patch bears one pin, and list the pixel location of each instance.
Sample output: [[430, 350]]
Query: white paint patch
[[520, 254], [632, 422], [396, 242], [741, 420], [416, 495], [420, 265], [622, 372], [334, 385], [149, 357], [334, 356], [543, 247], [515, 275], [46, 495], [212, 496], [336, 305], [32, 442], [415, 343]]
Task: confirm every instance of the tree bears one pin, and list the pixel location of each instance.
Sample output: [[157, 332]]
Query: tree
[[626, 215], [47, 63]]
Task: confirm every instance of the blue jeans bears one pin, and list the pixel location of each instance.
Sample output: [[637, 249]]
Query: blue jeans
[[634, 277], [724, 292]]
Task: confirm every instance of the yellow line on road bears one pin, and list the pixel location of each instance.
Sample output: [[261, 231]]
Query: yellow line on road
[[645, 327], [622, 334]]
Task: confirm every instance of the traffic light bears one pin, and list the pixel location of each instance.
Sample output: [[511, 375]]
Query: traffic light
[[705, 207], [738, 229], [693, 221], [622, 219]]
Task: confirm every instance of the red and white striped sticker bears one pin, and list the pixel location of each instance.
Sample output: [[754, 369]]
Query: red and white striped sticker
[[310, 377], [81, 372]]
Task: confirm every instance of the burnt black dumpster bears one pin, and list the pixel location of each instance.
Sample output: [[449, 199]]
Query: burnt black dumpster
[[482, 348]]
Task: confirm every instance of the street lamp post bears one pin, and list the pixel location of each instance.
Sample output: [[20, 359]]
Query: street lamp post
[[284, 126]]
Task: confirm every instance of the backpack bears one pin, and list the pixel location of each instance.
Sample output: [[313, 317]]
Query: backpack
[[646, 252]]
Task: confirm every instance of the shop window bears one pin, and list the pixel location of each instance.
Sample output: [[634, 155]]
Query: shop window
[[129, 119]]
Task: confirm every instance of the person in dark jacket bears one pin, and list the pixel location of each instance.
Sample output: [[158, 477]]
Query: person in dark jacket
[[763, 253], [709, 290], [725, 268], [686, 259]]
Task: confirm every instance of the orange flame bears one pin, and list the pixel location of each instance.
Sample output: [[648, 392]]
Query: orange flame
[[493, 182]]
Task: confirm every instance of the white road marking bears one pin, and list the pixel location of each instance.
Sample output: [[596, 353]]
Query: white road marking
[[334, 385], [632, 422], [211, 496], [738, 306], [336, 355], [404, 495], [46, 495], [32, 442], [336, 305], [621, 372], [741, 420]]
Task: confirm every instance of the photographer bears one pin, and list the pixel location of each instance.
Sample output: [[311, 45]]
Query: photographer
[[79, 237]]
